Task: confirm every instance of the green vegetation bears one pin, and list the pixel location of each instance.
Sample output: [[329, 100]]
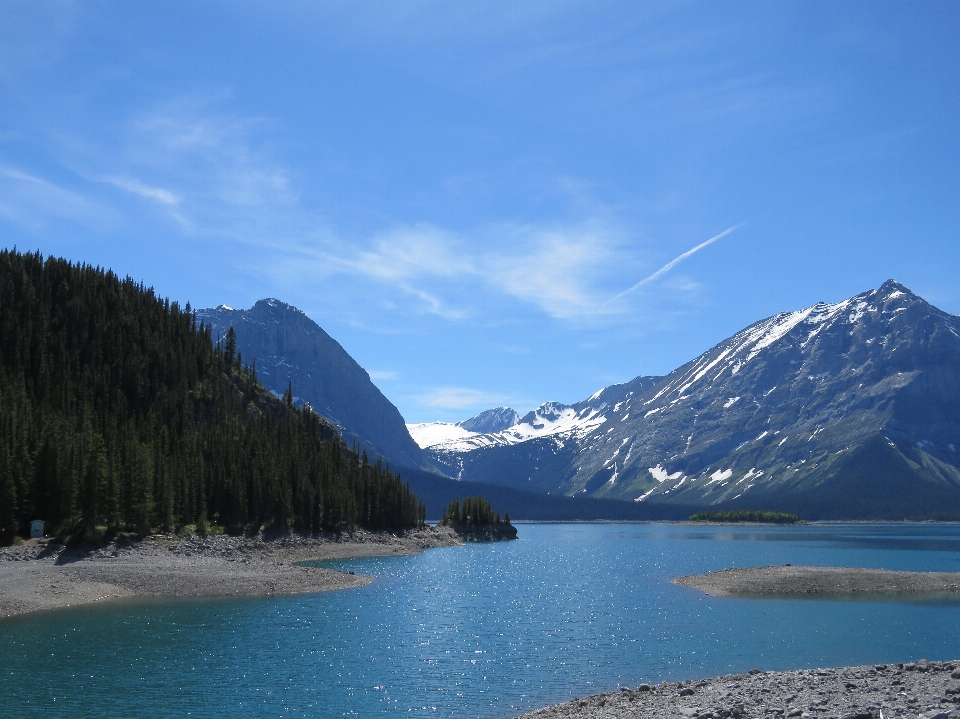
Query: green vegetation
[[471, 512], [743, 515], [118, 413]]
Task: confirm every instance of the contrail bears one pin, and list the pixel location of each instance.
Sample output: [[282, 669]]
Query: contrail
[[673, 263]]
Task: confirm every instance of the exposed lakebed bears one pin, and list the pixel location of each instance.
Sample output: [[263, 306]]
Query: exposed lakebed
[[486, 630], [826, 583]]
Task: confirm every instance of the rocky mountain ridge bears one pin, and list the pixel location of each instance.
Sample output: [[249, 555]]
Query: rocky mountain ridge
[[849, 409], [289, 347]]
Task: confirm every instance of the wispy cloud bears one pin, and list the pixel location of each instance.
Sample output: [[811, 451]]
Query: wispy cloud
[[559, 269], [672, 263], [136, 187], [407, 253], [221, 183], [33, 202], [213, 174]]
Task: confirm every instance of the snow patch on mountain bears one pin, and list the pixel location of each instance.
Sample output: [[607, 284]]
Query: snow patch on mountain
[[661, 475], [431, 434], [720, 475]]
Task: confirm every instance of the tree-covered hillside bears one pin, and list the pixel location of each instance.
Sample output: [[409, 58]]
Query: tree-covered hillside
[[117, 412]]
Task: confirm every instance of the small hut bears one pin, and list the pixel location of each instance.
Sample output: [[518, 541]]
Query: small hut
[[36, 528]]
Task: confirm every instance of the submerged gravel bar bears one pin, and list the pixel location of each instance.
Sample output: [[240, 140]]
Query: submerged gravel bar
[[928, 690], [790, 580]]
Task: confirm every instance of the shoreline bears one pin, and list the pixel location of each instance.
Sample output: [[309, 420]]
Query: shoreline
[[39, 576], [691, 523], [804, 581], [928, 690]]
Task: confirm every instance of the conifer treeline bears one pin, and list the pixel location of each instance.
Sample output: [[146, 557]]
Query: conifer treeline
[[745, 515], [117, 411], [471, 512]]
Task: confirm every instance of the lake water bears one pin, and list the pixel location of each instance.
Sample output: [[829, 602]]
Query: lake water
[[484, 630]]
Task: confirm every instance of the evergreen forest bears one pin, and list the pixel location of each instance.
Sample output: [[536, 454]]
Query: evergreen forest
[[471, 512], [118, 413], [745, 515]]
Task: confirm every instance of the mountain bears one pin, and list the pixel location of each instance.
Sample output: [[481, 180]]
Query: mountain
[[433, 434], [845, 410], [289, 347], [493, 420]]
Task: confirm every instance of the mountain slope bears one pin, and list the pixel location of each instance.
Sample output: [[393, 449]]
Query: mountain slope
[[290, 347], [118, 414], [839, 410]]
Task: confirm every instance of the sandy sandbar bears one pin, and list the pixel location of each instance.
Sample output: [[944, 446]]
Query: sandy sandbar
[[36, 575], [789, 580]]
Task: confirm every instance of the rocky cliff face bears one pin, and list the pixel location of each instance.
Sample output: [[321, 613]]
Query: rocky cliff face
[[290, 347], [838, 410]]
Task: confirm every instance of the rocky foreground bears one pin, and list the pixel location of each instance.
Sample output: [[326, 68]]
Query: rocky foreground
[[928, 690], [42, 575], [789, 580]]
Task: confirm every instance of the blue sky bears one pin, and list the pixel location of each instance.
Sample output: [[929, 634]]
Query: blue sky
[[464, 193]]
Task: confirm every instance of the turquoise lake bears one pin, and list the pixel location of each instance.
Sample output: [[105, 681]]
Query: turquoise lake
[[483, 630]]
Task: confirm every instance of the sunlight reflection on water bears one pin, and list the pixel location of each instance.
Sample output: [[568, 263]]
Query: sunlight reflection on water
[[482, 630]]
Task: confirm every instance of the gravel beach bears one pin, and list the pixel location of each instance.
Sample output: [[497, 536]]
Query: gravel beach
[[38, 575], [928, 690], [805, 581]]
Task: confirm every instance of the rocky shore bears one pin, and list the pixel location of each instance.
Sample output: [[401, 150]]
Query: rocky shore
[[41, 575], [924, 690], [787, 580]]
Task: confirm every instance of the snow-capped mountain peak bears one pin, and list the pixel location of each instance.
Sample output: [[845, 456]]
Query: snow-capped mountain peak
[[839, 409], [550, 418], [492, 420]]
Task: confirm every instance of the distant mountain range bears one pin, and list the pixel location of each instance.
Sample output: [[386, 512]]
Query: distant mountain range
[[836, 411], [846, 410], [548, 420], [288, 347]]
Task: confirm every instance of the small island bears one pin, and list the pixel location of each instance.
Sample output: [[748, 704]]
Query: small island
[[792, 581], [474, 520], [745, 516]]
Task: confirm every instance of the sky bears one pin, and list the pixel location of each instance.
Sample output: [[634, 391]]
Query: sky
[[491, 203]]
